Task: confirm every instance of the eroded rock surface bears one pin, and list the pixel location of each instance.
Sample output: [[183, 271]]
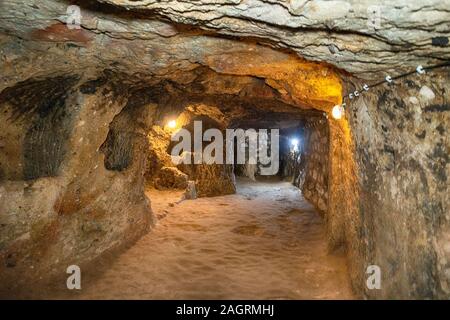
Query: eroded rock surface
[[358, 36], [81, 109], [70, 214]]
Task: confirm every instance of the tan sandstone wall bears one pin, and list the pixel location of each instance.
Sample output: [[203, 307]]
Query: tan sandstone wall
[[402, 152], [315, 185], [77, 211]]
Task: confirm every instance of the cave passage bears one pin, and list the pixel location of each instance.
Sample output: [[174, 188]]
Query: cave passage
[[230, 229], [264, 242], [239, 234], [94, 205]]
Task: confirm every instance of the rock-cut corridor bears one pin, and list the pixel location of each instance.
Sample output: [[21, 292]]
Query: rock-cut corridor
[[264, 242], [309, 140]]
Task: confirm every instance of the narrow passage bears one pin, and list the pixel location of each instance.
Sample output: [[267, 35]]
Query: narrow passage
[[265, 242]]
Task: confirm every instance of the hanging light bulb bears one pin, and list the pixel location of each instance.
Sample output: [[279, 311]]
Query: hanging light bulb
[[337, 112], [294, 144], [172, 124]]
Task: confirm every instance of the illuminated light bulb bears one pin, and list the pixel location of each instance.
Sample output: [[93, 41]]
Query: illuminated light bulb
[[337, 112], [172, 124], [294, 144]]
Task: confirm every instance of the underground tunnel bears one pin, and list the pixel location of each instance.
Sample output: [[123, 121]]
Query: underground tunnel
[[224, 150]]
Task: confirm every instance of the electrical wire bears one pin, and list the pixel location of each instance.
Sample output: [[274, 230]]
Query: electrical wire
[[367, 87]]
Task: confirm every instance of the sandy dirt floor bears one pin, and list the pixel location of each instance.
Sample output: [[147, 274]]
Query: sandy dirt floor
[[265, 242]]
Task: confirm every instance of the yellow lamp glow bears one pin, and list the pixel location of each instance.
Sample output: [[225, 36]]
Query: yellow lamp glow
[[337, 112], [172, 124]]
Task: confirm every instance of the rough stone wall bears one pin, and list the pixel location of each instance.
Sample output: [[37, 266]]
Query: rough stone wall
[[157, 155], [48, 223], [339, 32], [402, 152], [308, 167], [315, 185], [36, 127], [343, 219], [210, 179]]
